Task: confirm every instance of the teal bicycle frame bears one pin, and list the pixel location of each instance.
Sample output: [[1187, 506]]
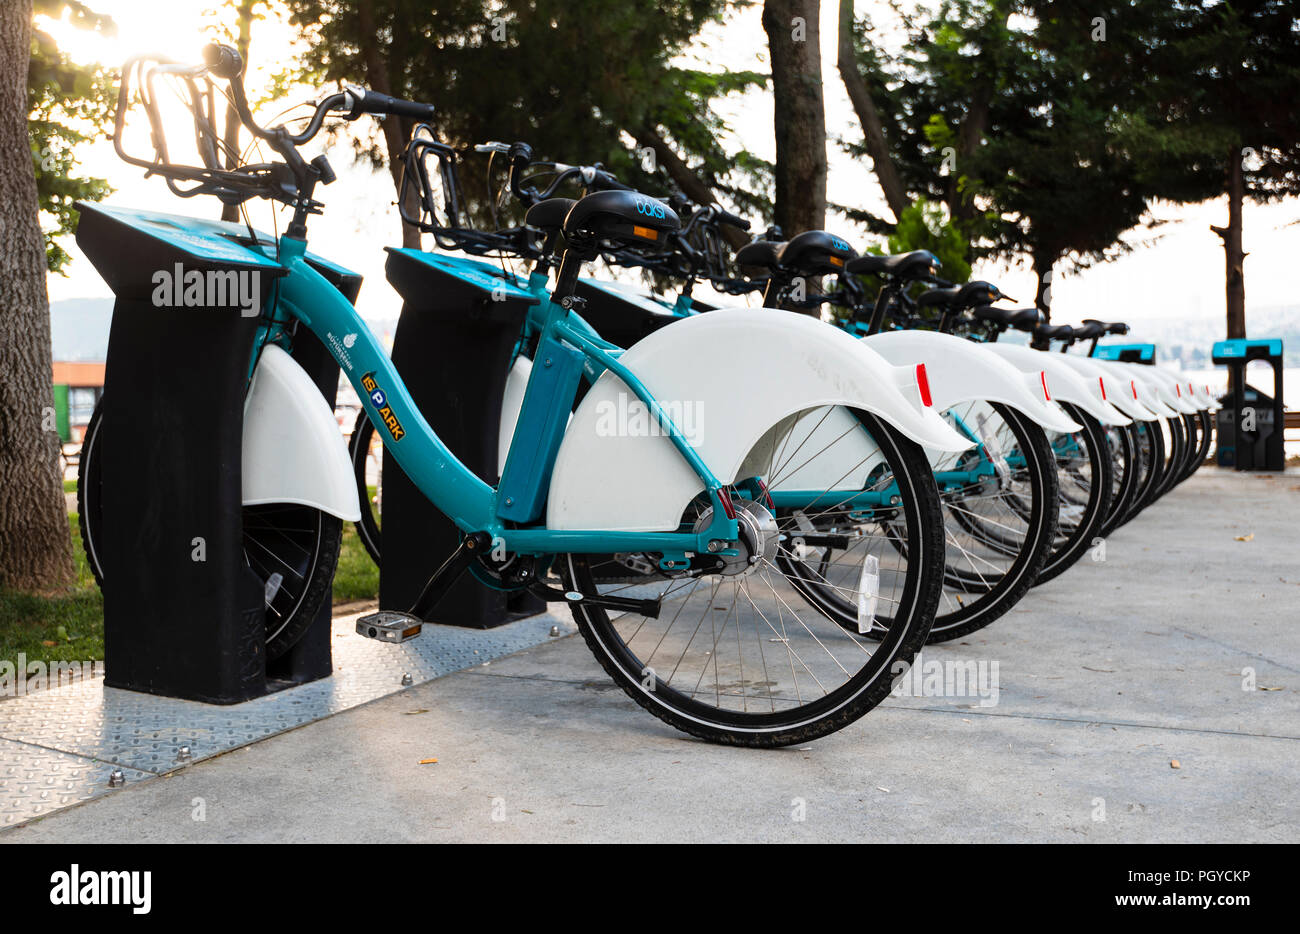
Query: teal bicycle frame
[[306, 296]]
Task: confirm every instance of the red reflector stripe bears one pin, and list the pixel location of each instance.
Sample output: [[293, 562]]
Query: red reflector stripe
[[923, 384], [1101, 381], [1134, 386], [1042, 375], [1180, 390]]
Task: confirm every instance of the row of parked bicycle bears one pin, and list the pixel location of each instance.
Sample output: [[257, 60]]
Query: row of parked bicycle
[[806, 499]]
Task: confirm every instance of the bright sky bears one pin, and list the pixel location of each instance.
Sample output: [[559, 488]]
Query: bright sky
[[1179, 277]]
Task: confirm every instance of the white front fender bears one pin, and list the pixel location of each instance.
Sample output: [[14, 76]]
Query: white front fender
[[1064, 384], [293, 451], [511, 402], [726, 378], [961, 371]]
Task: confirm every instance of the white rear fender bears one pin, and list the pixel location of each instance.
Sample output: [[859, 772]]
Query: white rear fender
[[1175, 383], [1111, 389], [1146, 391], [960, 371], [1120, 381], [1163, 390], [293, 451], [1063, 383], [726, 378]]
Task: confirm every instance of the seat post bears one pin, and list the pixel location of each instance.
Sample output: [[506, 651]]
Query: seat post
[[882, 302], [566, 281]]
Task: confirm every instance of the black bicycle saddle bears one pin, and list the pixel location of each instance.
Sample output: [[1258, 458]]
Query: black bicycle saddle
[[620, 215], [816, 253]]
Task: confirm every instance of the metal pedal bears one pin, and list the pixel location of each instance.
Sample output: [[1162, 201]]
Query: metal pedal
[[389, 626]]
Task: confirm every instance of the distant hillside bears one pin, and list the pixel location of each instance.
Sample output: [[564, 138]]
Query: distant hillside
[[1188, 344], [79, 329]]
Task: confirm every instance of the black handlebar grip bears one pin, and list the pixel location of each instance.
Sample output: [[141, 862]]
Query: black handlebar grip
[[224, 61], [603, 181], [1108, 327], [375, 103], [734, 220], [520, 152]]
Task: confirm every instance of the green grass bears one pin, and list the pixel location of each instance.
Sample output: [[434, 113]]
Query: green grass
[[67, 627], [70, 627], [69, 486], [356, 577]]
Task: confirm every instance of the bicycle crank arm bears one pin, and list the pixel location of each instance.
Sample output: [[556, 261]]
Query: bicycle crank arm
[[648, 608]]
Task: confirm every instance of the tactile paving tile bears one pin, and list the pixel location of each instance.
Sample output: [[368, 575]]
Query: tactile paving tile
[[36, 781], [71, 737]]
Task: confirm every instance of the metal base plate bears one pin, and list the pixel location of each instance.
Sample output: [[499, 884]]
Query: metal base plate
[[59, 746]]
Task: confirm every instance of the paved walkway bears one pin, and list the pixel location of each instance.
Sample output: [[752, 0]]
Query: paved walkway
[[1120, 716]]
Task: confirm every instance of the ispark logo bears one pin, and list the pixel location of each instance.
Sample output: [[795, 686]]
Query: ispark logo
[[949, 678], [216, 288], [24, 677], [88, 887], [629, 417]]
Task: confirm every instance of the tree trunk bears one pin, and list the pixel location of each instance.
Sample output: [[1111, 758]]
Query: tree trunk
[[1042, 265], [35, 546], [692, 185], [396, 129], [799, 116], [873, 130], [1233, 255], [243, 37]]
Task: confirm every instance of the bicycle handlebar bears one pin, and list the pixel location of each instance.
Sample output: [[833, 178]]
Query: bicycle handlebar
[[291, 181], [376, 104]]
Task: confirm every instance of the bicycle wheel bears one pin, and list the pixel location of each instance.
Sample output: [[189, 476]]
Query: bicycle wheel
[[292, 549], [1124, 475], [1206, 420], [1175, 451], [1151, 460], [1195, 443], [1083, 465], [738, 654], [998, 529], [367, 456]]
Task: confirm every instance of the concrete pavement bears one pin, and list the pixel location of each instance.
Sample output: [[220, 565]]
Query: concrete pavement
[[1106, 677]]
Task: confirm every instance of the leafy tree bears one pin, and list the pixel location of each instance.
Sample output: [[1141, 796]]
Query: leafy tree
[[67, 104], [1217, 84], [925, 225], [580, 80], [999, 114], [245, 13]]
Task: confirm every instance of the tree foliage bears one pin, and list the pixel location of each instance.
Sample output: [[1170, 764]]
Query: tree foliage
[[576, 79], [68, 104]]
